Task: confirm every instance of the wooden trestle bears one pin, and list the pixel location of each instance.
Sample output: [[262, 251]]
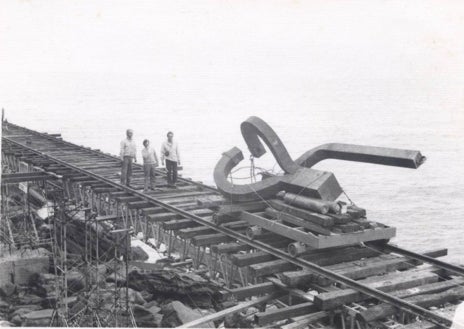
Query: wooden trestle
[[286, 294]]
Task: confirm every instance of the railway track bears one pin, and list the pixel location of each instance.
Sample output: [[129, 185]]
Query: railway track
[[350, 280]]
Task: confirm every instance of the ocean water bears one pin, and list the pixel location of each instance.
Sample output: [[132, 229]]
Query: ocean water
[[390, 76]]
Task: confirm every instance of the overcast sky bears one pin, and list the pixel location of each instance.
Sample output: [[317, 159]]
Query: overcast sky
[[359, 53], [182, 36]]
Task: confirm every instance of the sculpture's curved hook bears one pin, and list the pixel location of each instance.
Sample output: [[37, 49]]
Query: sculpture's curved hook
[[251, 192], [361, 153], [310, 182], [253, 128]]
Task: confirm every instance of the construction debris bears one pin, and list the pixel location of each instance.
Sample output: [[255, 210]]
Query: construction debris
[[188, 288]]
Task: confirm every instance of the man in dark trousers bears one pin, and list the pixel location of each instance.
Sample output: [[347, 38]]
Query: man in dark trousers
[[128, 153], [170, 153]]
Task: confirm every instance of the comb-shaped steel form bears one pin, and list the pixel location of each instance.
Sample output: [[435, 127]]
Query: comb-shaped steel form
[[298, 176]]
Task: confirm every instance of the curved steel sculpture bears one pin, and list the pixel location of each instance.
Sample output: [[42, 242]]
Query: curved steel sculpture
[[298, 176]]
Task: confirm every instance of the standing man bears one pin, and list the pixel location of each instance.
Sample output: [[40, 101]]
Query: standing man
[[170, 152], [128, 153], [150, 162]]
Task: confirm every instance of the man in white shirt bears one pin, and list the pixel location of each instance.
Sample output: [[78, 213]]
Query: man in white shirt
[[127, 154], [150, 162], [170, 153]]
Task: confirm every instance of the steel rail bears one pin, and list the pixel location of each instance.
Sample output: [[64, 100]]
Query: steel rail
[[374, 293], [456, 269], [100, 153]]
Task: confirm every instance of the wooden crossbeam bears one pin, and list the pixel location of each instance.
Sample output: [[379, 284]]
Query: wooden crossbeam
[[270, 316], [221, 314], [26, 177], [386, 283]]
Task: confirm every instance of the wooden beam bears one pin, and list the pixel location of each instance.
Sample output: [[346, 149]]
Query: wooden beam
[[281, 229], [252, 290], [221, 314], [301, 322], [234, 247], [384, 310], [358, 270], [386, 283], [209, 239], [104, 190], [179, 224], [166, 216], [446, 312], [139, 205], [190, 232], [320, 257], [250, 258], [270, 316]]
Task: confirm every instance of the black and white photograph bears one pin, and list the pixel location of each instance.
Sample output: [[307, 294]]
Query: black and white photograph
[[232, 164]]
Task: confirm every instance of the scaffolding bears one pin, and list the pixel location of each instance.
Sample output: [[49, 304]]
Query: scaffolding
[[104, 301], [103, 261]]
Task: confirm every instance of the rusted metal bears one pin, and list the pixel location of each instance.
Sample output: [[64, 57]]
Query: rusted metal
[[362, 153], [298, 177]]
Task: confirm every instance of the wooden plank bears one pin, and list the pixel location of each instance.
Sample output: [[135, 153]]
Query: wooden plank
[[350, 227], [386, 283], [163, 217], [125, 199], [370, 268], [384, 310], [221, 314], [281, 229], [376, 234], [236, 246], [267, 317], [341, 218], [104, 190], [209, 239], [119, 194], [139, 205], [319, 257], [447, 312], [179, 224], [301, 322], [357, 267], [251, 258], [190, 232], [252, 290], [304, 296], [360, 269], [166, 216]]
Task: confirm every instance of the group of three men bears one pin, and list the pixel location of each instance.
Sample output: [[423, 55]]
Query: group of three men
[[169, 152]]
